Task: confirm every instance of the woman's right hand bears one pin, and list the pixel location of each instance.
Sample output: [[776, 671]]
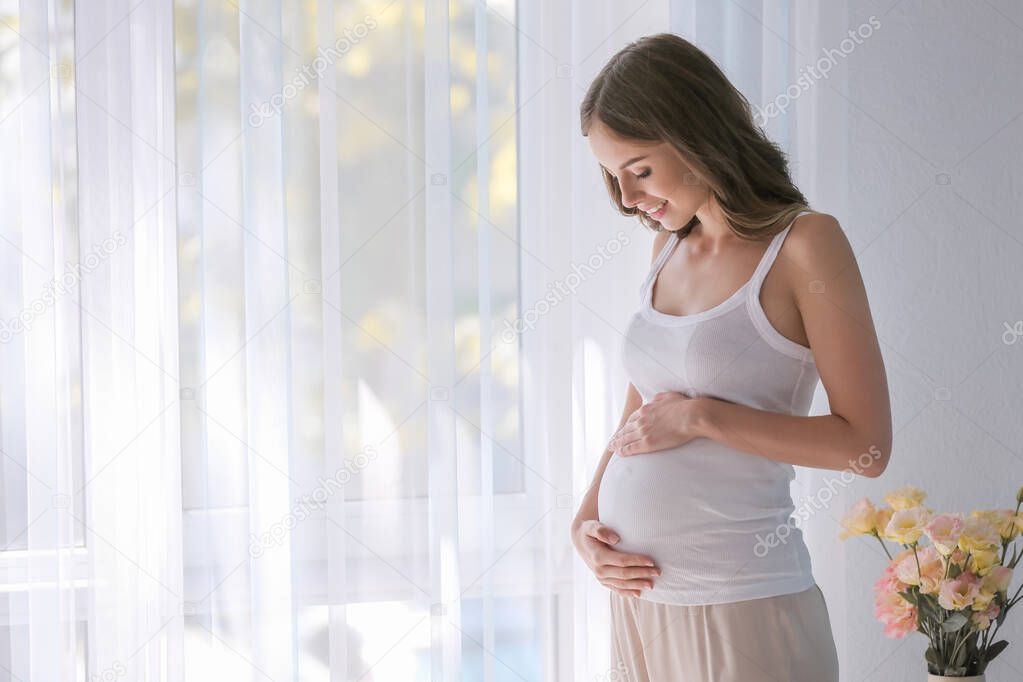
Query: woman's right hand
[[623, 573]]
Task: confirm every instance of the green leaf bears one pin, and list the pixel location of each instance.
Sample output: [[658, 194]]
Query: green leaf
[[928, 608], [995, 649], [954, 622], [931, 655]]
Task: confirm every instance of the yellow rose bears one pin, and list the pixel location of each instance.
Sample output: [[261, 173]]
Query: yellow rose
[[1004, 520], [996, 580], [982, 600], [1007, 527], [978, 535], [983, 561], [884, 515], [859, 520], [907, 525], [906, 497]]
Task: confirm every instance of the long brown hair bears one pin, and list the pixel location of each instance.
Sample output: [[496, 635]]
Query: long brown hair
[[663, 88]]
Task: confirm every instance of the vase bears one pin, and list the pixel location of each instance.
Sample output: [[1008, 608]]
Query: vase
[[943, 678]]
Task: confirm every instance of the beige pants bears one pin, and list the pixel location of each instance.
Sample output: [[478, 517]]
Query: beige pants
[[785, 638]]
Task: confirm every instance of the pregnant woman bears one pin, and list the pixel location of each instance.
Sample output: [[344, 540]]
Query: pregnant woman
[[750, 300]]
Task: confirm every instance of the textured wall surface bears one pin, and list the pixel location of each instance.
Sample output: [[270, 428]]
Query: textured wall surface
[[935, 208]]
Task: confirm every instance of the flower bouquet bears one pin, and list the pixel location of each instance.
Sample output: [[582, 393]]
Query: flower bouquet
[[954, 590]]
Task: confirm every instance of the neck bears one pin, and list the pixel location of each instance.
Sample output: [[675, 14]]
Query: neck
[[712, 230]]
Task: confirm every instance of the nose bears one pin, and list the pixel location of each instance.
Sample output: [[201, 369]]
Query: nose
[[630, 199]]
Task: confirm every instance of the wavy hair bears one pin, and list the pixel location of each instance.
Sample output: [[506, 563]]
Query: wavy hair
[[662, 88]]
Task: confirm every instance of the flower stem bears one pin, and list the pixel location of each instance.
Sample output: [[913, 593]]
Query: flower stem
[[959, 643], [874, 533]]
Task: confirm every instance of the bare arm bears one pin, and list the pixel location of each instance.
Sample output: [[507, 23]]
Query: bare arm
[[832, 301]]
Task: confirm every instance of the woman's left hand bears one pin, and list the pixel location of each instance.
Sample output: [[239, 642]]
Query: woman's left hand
[[670, 419]]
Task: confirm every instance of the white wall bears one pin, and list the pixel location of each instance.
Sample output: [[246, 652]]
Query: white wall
[[931, 171]]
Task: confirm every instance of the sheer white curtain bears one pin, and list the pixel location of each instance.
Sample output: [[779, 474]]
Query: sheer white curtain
[[91, 467], [338, 350]]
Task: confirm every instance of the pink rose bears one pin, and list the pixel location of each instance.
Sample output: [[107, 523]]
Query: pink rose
[[982, 619], [932, 569], [944, 531], [959, 593], [897, 614], [889, 580]]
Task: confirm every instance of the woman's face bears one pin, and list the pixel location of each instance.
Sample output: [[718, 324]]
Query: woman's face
[[652, 177]]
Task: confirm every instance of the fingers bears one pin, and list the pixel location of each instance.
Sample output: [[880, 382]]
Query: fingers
[[611, 557], [619, 442], [633, 586], [638, 446], [598, 531], [637, 573], [626, 574], [626, 433]]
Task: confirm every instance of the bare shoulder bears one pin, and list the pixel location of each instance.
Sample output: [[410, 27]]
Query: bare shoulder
[[834, 307], [816, 248]]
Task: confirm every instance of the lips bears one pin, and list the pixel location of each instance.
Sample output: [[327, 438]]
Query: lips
[[655, 208]]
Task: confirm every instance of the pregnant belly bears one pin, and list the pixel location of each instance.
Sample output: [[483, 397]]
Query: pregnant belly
[[702, 493]]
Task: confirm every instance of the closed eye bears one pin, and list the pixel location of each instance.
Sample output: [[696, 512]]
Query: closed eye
[[644, 174]]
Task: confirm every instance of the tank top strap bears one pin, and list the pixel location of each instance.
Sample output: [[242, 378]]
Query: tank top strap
[[659, 262], [760, 274]]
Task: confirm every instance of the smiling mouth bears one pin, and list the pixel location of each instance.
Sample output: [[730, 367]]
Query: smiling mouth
[[656, 209]]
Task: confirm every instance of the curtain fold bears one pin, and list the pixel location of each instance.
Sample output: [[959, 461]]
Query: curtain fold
[[124, 86], [38, 436]]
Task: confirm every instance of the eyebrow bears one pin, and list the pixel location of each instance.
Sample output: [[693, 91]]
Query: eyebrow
[[630, 162]]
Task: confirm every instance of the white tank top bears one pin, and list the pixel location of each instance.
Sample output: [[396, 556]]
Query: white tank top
[[706, 512]]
